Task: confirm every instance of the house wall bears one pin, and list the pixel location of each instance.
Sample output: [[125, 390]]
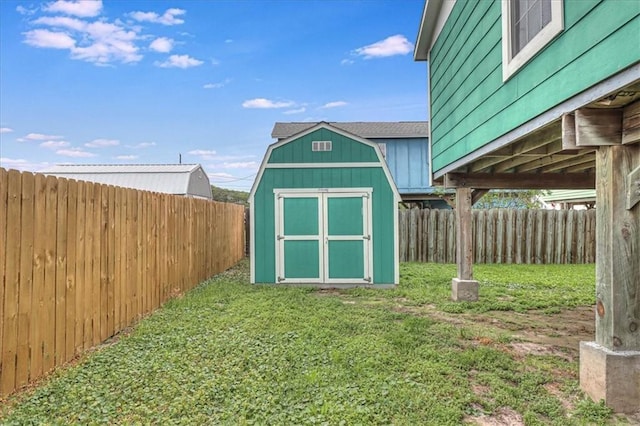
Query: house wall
[[470, 104], [345, 150], [408, 163]]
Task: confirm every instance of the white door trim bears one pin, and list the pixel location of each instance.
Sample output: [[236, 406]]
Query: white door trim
[[322, 194]]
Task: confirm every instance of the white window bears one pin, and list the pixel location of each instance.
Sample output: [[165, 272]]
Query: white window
[[527, 26], [321, 146]]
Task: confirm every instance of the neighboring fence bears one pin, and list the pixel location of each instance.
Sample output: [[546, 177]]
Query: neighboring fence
[[501, 236], [80, 262]]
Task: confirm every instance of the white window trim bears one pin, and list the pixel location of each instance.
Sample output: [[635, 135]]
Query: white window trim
[[510, 65]]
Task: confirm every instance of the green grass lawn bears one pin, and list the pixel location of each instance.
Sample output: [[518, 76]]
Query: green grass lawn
[[232, 353]]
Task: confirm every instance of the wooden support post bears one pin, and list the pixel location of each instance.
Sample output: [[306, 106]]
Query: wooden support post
[[610, 366], [463, 287]]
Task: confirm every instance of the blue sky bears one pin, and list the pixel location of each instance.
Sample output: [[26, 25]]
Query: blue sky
[[107, 82]]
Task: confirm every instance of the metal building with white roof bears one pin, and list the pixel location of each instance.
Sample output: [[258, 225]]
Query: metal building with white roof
[[179, 179]]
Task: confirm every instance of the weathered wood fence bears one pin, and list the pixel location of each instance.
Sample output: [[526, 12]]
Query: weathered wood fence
[[501, 236], [81, 261]]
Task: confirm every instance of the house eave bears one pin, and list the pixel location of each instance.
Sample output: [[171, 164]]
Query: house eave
[[427, 29]]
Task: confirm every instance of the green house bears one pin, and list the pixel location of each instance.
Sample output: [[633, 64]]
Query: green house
[[545, 94], [323, 212]]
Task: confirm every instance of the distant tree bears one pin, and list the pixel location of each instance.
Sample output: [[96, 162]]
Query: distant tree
[[229, 195], [520, 199]]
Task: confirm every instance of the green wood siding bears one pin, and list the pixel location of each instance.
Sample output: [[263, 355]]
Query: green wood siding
[[382, 211], [344, 150], [470, 104]]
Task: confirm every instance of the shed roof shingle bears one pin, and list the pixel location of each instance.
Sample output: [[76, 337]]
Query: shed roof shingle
[[368, 130]]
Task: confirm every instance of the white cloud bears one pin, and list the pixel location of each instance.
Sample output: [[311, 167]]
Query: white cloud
[[390, 46], [101, 143], [6, 130], [62, 22], [54, 144], [126, 157], [24, 11], [82, 8], [98, 42], [179, 61], [75, 152], [239, 165], [266, 103], [12, 161], [335, 104], [202, 152], [220, 175], [217, 85], [142, 145], [295, 111], [49, 39], [346, 62], [38, 137], [162, 45], [228, 40], [108, 43], [168, 18]]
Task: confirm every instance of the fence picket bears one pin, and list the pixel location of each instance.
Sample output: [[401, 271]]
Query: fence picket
[[25, 292], [50, 241], [60, 287], [12, 283], [501, 236], [3, 250], [70, 281], [80, 262]]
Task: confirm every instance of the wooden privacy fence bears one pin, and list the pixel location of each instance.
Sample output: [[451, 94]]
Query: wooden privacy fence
[[501, 236], [81, 261]]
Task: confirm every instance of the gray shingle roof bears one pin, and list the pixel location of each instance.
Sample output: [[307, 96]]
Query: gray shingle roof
[[367, 130]]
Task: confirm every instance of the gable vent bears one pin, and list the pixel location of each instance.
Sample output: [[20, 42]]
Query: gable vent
[[321, 146]]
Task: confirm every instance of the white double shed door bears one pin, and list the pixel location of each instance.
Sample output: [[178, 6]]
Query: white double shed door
[[323, 236]]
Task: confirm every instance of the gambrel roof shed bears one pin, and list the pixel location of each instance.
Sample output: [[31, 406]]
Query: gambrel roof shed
[[324, 212], [178, 179]]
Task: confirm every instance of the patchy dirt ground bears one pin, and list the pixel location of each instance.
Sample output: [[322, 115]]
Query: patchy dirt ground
[[534, 333], [531, 333]]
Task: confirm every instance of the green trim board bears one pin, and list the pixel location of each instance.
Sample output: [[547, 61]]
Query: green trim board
[[357, 177], [472, 106]]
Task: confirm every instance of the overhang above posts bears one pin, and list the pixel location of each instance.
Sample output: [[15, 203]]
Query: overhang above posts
[[631, 123], [520, 180], [598, 127]]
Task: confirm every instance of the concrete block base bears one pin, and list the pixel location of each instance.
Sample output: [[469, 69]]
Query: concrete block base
[[464, 290], [611, 376]]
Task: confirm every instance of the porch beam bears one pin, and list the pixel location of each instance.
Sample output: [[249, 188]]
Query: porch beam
[[631, 123], [598, 127], [520, 180]]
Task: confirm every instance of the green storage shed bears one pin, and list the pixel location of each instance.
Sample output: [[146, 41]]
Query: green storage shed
[[324, 213]]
